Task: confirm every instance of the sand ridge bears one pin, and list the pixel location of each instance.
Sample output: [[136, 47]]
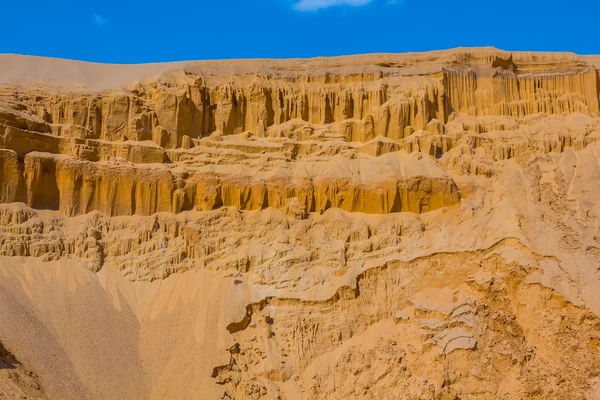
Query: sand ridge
[[54, 72]]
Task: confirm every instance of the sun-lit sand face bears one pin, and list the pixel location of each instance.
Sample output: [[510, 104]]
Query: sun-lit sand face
[[102, 336], [418, 225]]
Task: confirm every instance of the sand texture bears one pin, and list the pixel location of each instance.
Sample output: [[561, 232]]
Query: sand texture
[[388, 226]]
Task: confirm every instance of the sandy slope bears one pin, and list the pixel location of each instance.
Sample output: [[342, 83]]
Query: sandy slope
[[18, 69]]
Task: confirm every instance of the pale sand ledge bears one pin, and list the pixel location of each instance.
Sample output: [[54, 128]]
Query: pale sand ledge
[[54, 72]]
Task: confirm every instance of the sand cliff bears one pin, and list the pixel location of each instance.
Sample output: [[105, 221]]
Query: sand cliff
[[418, 225]]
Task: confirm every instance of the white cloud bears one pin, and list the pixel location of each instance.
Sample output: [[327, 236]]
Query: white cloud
[[314, 5], [99, 20]]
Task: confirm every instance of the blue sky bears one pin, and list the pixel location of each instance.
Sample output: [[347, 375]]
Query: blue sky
[[126, 31]]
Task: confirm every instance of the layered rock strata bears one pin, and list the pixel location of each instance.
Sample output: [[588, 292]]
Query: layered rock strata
[[380, 226]]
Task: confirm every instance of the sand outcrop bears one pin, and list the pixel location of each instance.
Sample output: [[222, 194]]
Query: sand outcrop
[[402, 226]]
